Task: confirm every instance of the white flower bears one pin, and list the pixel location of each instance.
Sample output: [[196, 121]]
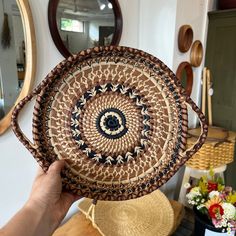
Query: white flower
[[229, 225], [200, 206], [213, 194], [187, 185], [196, 190], [224, 223], [229, 210]]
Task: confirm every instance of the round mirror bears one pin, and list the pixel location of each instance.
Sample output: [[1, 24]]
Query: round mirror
[[17, 56], [76, 25]]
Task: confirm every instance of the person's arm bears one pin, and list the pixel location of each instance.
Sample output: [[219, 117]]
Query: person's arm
[[46, 207]]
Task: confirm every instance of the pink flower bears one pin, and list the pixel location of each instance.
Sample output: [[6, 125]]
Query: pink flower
[[222, 196], [228, 189], [217, 223]]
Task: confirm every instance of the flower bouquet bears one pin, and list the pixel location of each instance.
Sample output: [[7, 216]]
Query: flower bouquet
[[213, 203]]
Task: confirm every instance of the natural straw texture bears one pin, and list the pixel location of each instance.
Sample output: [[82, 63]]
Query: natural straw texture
[[219, 146], [149, 215], [213, 153], [118, 116]]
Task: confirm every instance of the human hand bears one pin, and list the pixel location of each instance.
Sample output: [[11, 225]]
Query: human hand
[[47, 196]]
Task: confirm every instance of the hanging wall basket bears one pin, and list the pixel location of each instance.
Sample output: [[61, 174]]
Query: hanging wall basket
[[196, 53], [118, 116], [185, 38]]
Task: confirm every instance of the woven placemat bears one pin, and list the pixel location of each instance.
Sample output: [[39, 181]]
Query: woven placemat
[[118, 116], [149, 215]]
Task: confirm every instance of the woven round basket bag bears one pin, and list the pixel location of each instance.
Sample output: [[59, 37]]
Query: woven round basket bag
[[117, 116]]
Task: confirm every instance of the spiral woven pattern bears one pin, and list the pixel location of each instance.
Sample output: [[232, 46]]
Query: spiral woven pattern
[[149, 215], [117, 116]]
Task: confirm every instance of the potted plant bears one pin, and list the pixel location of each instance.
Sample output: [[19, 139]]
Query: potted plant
[[214, 205]]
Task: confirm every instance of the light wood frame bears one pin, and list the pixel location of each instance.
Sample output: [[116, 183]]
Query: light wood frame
[[30, 47]]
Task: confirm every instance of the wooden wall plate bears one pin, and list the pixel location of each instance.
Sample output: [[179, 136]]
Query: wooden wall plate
[[185, 66], [196, 53], [185, 38]]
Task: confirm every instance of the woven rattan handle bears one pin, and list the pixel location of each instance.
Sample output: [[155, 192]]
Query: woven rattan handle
[[15, 125], [59, 69], [204, 129]]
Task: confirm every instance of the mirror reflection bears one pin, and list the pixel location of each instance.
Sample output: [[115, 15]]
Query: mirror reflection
[[12, 55], [85, 23], [183, 79]]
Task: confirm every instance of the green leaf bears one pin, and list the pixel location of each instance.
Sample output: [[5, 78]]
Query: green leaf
[[203, 186], [220, 187], [212, 173], [220, 181]]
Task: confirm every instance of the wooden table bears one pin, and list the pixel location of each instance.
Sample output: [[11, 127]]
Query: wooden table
[[78, 225]]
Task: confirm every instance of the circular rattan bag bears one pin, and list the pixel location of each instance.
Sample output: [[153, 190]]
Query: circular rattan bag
[[118, 116]]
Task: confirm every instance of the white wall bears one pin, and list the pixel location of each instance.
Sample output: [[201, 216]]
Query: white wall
[[146, 26], [157, 28]]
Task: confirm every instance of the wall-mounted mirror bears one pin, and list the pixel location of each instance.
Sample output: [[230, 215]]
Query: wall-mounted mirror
[[184, 73], [17, 56], [76, 25]]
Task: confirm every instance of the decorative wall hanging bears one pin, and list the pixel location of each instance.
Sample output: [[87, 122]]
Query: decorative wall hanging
[[185, 38], [196, 54], [185, 69], [118, 116]]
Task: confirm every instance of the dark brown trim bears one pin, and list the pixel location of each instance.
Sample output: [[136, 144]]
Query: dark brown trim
[[188, 68], [52, 12], [118, 22]]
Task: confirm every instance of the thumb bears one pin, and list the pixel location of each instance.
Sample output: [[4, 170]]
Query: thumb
[[56, 167]]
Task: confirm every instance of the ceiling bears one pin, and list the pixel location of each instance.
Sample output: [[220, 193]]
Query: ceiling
[[82, 5], [85, 9]]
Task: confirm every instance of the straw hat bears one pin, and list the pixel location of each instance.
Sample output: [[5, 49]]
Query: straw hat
[[118, 116], [149, 215]]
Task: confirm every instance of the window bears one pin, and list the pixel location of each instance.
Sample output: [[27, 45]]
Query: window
[[72, 25]]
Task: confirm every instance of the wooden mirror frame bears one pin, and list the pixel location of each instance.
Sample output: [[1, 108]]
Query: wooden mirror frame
[[30, 53], [185, 66], [52, 13]]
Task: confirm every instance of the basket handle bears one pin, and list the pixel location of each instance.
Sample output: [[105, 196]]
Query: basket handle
[[204, 129], [59, 69], [14, 119]]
